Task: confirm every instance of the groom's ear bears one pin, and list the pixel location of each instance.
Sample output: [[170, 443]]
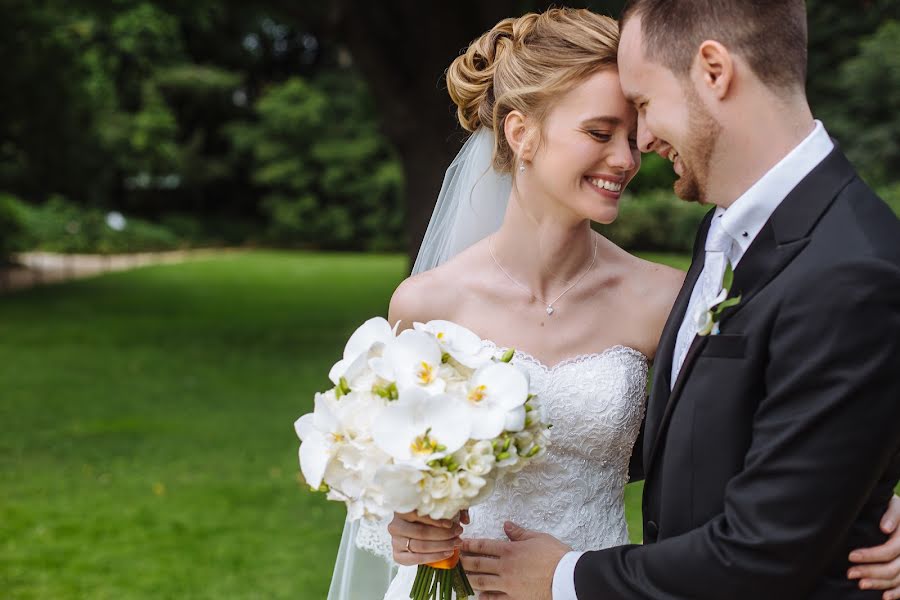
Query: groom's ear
[[716, 68], [518, 135]]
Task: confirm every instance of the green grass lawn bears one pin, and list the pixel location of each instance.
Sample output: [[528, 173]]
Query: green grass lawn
[[147, 447]]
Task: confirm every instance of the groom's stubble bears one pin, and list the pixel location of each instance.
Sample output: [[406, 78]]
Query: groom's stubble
[[696, 156]]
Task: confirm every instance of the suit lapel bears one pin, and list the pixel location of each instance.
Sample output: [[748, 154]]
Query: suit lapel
[[785, 233], [662, 365], [778, 243]]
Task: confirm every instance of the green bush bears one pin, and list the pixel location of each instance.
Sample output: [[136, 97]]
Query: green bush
[[329, 177], [655, 221], [891, 195], [13, 229], [59, 225]]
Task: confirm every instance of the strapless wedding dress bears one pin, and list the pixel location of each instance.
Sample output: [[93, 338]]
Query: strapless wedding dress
[[595, 403]]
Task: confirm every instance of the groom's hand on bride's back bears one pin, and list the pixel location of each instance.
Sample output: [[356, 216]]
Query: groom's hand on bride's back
[[419, 540]]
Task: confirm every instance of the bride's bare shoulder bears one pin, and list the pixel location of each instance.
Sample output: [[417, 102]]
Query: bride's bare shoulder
[[435, 294]]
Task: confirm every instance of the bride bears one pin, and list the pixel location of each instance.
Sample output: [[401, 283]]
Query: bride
[[511, 255]]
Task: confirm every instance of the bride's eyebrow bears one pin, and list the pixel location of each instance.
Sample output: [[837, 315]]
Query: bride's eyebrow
[[606, 120]]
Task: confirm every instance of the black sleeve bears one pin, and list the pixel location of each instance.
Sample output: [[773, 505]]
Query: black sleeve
[[823, 436]]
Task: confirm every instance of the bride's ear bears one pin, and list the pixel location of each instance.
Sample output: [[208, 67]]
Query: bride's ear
[[515, 128]]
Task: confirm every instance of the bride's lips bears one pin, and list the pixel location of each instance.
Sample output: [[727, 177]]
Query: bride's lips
[[606, 185]]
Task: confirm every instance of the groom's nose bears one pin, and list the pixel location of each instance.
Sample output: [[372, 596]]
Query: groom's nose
[[645, 139]]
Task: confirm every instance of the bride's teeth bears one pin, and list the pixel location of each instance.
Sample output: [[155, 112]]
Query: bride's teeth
[[673, 155], [607, 185]]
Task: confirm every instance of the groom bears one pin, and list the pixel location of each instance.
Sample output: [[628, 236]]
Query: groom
[[772, 436]]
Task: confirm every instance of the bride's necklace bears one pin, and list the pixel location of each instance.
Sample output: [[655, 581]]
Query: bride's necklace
[[550, 309]]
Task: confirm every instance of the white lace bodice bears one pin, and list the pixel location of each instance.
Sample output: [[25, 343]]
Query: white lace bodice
[[595, 403]]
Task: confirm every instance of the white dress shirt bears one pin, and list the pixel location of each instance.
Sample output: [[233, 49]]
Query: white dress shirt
[[743, 221]]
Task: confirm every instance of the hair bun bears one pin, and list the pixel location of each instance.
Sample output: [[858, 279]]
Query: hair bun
[[470, 78]]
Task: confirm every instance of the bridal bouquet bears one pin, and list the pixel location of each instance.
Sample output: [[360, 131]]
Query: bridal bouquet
[[423, 421]]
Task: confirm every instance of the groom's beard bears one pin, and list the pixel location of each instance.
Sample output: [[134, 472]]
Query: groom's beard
[[703, 130]]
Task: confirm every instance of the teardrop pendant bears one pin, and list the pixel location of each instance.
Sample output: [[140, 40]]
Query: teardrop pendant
[[549, 310]]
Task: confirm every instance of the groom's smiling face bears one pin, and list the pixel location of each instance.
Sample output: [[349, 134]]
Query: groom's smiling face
[[672, 119]]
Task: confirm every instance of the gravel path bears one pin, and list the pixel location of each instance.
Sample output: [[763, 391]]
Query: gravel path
[[40, 268]]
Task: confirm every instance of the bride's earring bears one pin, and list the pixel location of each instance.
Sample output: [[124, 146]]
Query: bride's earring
[[522, 168]]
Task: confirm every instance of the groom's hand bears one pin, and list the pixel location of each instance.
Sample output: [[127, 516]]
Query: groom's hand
[[521, 568]]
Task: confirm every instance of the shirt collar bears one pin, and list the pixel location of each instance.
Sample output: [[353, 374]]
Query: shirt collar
[[745, 218]]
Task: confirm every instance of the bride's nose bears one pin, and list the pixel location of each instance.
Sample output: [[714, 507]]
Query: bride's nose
[[622, 157]]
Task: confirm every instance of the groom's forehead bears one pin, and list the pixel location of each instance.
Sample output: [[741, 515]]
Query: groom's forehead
[[631, 56]]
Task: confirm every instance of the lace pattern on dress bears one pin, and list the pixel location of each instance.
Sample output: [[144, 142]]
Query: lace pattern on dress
[[373, 536]]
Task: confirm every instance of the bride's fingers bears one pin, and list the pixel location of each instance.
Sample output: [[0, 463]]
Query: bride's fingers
[[413, 517], [474, 563], [424, 546], [399, 528], [409, 559]]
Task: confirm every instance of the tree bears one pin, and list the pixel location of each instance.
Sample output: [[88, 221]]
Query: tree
[[402, 49]]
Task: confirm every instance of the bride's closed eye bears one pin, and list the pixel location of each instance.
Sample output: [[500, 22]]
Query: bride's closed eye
[[600, 136], [603, 137]]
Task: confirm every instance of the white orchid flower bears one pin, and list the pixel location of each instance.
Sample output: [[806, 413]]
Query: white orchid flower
[[371, 336], [413, 359], [463, 345], [320, 433], [496, 397], [420, 427]]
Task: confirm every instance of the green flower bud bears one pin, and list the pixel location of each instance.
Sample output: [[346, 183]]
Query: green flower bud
[[503, 456], [508, 355]]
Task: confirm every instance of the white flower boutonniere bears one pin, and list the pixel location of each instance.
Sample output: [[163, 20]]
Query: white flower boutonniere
[[709, 320]]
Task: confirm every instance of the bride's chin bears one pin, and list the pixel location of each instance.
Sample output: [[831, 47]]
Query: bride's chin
[[605, 216]]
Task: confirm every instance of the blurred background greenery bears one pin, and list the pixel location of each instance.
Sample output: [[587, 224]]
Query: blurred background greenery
[[315, 125], [147, 449]]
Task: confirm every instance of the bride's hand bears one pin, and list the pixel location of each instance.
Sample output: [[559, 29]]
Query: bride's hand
[[880, 568], [419, 540]]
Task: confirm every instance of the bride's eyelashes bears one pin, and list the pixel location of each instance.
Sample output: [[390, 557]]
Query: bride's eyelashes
[[600, 136], [606, 137]]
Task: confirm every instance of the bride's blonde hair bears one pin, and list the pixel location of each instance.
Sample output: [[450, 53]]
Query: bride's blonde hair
[[524, 64]]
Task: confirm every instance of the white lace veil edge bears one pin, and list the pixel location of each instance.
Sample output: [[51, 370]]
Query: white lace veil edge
[[470, 206]]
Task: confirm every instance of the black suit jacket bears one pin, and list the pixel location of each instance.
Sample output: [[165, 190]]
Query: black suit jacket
[[778, 448]]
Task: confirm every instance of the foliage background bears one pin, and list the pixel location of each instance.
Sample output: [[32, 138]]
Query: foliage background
[[313, 125]]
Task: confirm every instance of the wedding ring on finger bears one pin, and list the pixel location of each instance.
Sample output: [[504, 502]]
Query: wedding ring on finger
[[408, 540]]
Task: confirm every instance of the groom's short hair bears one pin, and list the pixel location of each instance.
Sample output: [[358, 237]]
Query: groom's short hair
[[770, 34]]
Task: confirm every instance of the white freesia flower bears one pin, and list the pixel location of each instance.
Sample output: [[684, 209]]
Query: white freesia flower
[[402, 486], [419, 427], [479, 459], [373, 334], [412, 359], [439, 485], [464, 346], [497, 395], [469, 484]]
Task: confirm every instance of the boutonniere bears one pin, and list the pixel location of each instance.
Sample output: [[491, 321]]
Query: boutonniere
[[709, 320]]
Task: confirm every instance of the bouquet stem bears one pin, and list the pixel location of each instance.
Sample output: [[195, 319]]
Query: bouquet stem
[[439, 581]]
